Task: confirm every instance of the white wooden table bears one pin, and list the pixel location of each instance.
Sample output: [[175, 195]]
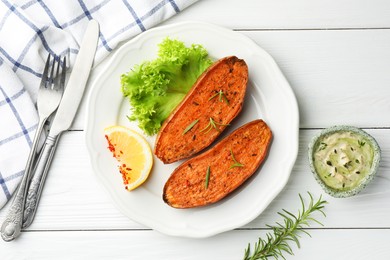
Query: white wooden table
[[336, 56]]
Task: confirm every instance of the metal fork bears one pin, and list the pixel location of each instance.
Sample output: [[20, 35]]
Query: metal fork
[[49, 97]]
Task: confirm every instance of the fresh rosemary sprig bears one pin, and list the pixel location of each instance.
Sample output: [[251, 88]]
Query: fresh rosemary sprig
[[278, 242], [190, 126], [236, 163], [212, 124], [206, 183], [221, 95]]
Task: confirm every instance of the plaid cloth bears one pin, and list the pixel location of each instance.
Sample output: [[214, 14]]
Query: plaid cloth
[[29, 30]]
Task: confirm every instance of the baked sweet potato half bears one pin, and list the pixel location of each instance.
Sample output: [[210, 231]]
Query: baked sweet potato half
[[212, 103], [210, 176]]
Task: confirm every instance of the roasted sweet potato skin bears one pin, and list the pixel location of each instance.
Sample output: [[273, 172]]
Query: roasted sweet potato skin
[[188, 187], [217, 96]]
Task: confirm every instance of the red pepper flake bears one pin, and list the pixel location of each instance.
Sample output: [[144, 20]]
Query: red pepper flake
[[123, 169], [123, 173], [110, 146]]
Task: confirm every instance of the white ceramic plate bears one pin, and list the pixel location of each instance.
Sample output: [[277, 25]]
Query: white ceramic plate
[[269, 97]]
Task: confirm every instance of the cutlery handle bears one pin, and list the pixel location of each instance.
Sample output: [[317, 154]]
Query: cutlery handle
[[38, 180], [12, 225]]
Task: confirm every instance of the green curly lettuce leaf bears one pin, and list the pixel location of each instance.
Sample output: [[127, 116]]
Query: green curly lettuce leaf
[[154, 88]]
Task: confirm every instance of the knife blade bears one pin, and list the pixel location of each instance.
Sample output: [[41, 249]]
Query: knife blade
[[64, 117], [77, 80]]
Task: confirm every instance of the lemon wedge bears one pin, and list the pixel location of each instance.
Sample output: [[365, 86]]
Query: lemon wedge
[[133, 154]]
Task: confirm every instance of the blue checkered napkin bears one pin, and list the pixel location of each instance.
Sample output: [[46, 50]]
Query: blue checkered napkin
[[29, 30], [18, 120]]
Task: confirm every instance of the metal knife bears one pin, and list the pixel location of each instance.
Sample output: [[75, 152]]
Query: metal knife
[[62, 121]]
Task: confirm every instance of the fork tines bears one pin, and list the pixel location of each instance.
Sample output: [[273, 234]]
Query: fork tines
[[51, 77]]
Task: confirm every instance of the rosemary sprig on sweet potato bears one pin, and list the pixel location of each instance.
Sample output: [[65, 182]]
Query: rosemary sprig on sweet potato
[[212, 124]]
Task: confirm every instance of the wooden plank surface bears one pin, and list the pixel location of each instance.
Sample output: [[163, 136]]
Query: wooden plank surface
[[298, 14], [323, 245]]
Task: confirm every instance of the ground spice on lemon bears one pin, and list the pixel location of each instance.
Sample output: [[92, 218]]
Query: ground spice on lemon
[[110, 146], [133, 154]]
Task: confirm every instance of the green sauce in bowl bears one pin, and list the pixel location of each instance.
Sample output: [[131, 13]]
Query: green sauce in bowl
[[343, 159]]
